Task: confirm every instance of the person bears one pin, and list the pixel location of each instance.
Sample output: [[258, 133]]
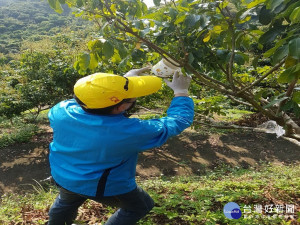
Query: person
[[95, 147]]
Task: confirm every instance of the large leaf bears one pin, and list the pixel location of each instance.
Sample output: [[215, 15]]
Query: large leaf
[[207, 36], [82, 64], [93, 61], [138, 55], [275, 101], [173, 13], [222, 54], [271, 34], [156, 2], [239, 58], [94, 44], [294, 48], [265, 16], [255, 62], [122, 50], [296, 97], [278, 44], [290, 62], [289, 74], [54, 4], [181, 17], [273, 4], [79, 3], [108, 50], [254, 3], [191, 20], [280, 53], [123, 63], [295, 15], [292, 105], [290, 9], [191, 58]]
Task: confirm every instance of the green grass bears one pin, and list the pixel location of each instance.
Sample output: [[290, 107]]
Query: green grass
[[233, 115], [182, 200], [20, 129]]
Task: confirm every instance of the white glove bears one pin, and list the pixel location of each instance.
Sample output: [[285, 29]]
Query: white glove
[[180, 83], [136, 72]]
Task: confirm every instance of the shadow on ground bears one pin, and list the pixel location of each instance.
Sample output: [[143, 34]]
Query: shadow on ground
[[190, 153]]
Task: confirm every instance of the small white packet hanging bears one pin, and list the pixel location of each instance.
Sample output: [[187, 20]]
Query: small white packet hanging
[[164, 68]]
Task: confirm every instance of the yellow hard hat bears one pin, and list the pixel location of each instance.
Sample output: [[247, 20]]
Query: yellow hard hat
[[101, 90]]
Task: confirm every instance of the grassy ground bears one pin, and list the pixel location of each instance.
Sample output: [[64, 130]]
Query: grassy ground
[[20, 129], [179, 200], [186, 200]]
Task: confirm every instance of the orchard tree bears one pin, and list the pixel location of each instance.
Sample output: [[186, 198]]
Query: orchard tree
[[41, 80], [247, 50]]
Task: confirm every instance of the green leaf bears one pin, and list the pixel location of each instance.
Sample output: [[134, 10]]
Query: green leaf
[[290, 61], [272, 4], [108, 50], [222, 54], [137, 55], [294, 48], [79, 3], [156, 2], [191, 58], [280, 53], [271, 34], [296, 97], [292, 105], [139, 24], [191, 20], [93, 61], [82, 63], [255, 62], [94, 44], [239, 58], [295, 15], [265, 16], [271, 51], [288, 75], [122, 50], [54, 4], [123, 63], [173, 13], [290, 9], [180, 19], [275, 101], [254, 3]]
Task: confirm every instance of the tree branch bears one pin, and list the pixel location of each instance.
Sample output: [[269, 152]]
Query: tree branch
[[230, 65], [210, 82], [277, 66], [239, 101], [213, 55], [233, 46], [287, 94]]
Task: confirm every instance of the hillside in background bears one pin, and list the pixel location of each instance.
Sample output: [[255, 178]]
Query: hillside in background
[[31, 20]]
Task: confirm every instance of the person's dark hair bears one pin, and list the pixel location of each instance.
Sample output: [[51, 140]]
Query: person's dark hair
[[100, 111]]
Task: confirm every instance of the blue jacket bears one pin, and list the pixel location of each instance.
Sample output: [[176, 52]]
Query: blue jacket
[[96, 155]]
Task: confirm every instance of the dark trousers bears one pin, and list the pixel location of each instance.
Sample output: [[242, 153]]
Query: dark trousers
[[133, 206]]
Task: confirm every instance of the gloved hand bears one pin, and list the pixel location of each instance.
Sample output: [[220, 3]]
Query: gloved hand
[[136, 72], [180, 83]]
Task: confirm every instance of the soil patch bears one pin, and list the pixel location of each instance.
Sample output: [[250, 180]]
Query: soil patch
[[190, 153]]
